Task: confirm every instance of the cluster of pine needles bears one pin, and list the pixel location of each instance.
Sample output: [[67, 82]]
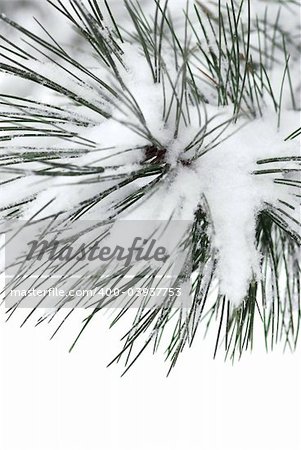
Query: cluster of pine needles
[[236, 74]]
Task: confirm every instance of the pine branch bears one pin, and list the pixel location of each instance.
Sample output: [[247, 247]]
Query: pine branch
[[209, 80]]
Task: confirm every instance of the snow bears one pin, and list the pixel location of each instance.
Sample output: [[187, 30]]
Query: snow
[[236, 196], [222, 175]]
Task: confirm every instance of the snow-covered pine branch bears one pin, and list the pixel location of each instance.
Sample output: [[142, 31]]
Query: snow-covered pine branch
[[169, 110]]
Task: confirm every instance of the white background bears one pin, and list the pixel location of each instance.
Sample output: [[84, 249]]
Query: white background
[[51, 399]]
